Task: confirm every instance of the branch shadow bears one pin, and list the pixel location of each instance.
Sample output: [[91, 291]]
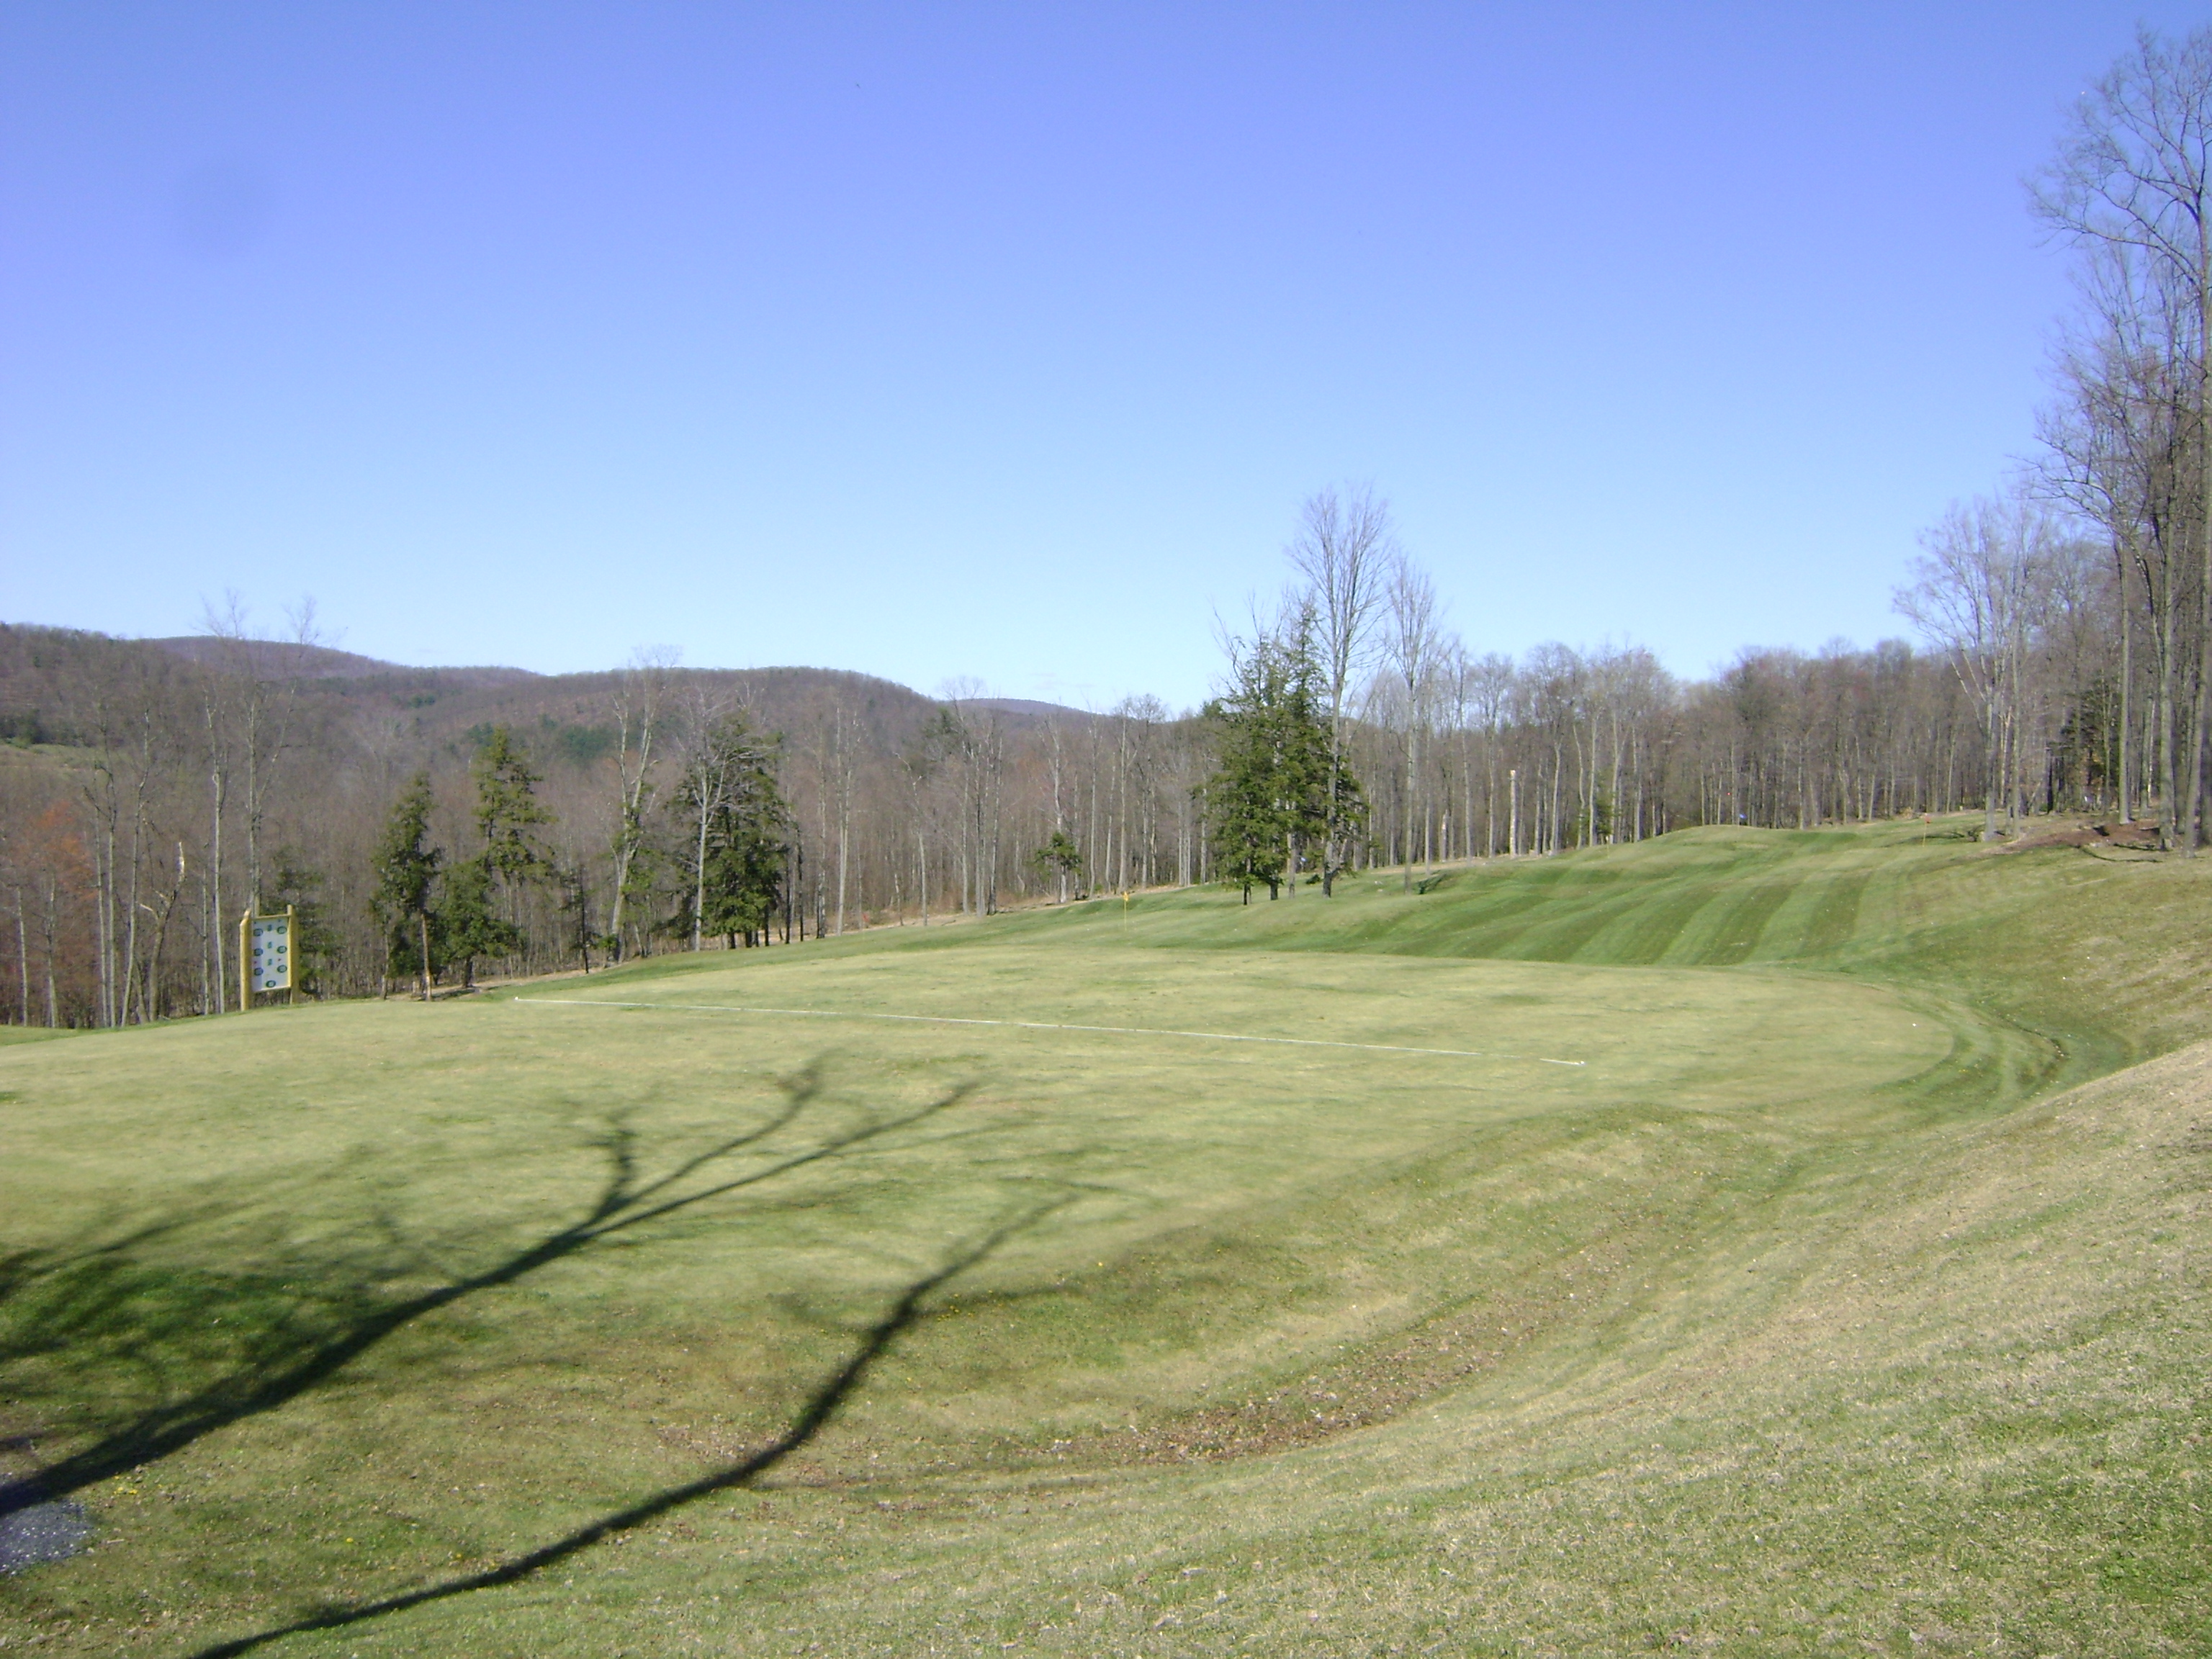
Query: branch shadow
[[101, 1310], [820, 1406]]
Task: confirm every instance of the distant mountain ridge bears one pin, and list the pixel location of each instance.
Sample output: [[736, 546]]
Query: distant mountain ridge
[[318, 662], [321, 662], [1029, 705], [45, 674]]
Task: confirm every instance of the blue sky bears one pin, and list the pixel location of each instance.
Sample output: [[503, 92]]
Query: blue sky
[[1004, 342]]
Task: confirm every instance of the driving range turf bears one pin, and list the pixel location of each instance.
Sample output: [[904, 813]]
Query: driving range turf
[[1842, 1290]]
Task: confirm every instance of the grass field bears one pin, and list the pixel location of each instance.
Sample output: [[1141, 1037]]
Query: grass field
[[1800, 1246]]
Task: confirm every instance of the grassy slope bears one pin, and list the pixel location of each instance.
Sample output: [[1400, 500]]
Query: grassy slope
[[1805, 1312], [2101, 953]]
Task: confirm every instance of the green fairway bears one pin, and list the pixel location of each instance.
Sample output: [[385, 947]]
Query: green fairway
[[1726, 1241]]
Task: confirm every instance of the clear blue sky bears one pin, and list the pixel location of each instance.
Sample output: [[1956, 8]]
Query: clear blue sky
[[1004, 342]]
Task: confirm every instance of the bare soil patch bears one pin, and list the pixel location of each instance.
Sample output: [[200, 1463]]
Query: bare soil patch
[[2141, 836]]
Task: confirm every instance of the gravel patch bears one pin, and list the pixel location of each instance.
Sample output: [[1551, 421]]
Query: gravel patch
[[42, 1532]]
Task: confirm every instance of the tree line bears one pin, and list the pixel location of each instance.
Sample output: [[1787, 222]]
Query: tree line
[[1356, 729], [426, 830]]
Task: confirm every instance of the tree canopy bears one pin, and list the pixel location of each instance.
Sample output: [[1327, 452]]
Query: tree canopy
[[1269, 798], [741, 825]]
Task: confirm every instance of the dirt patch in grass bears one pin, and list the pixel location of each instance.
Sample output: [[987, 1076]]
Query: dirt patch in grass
[[2140, 836]]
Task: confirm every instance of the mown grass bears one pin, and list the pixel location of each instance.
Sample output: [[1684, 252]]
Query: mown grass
[[1828, 1304]]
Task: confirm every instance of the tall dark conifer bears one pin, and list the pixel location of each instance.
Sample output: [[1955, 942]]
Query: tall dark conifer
[[406, 866], [508, 809], [1268, 800], [739, 826]]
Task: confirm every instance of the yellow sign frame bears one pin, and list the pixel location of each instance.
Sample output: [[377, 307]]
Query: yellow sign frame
[[248, 982]]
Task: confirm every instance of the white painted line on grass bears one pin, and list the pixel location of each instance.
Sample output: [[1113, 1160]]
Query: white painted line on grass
[[1040, 1025]]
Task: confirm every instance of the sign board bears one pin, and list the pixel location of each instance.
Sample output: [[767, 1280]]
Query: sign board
[[264, 954], [271, 968]]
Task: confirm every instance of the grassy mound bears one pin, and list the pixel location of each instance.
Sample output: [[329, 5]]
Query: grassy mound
[[1772, 1258]]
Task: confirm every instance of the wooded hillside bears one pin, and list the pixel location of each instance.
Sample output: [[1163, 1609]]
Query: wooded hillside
[[151, 790]]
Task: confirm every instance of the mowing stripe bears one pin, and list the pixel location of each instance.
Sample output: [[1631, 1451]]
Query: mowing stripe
[[1040, 1025]]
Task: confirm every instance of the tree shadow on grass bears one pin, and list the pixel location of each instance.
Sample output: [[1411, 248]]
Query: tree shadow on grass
[[135, 1359], [812, 1419]]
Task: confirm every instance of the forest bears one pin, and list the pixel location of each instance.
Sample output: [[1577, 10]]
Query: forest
[[151, 792]]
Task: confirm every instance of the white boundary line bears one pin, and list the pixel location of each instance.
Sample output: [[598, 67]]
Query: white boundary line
[[1039, 1026]]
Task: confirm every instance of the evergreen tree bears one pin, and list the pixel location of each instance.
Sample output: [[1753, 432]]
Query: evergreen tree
[[1268, 798], [574, 887], [468, 924], [1061, 855], [480, 903], [296, 885], [508, 810], [739, 825], [406, 864]]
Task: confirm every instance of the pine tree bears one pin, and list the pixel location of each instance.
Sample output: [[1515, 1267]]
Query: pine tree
[[508, 810], [481, 899], [739, 826], [1060, 856], [468, 924], [406, 864], [1269, 800], [296, 886]]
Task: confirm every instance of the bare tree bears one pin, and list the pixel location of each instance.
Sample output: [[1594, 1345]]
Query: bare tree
[[248, 701], [1343, 550], [1413, 645], [2131, 186], [977, 742], [265, 676], [1978, 595], [919, 764], [833, 760], [2117, 447], [639, 695], [709, 776]]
